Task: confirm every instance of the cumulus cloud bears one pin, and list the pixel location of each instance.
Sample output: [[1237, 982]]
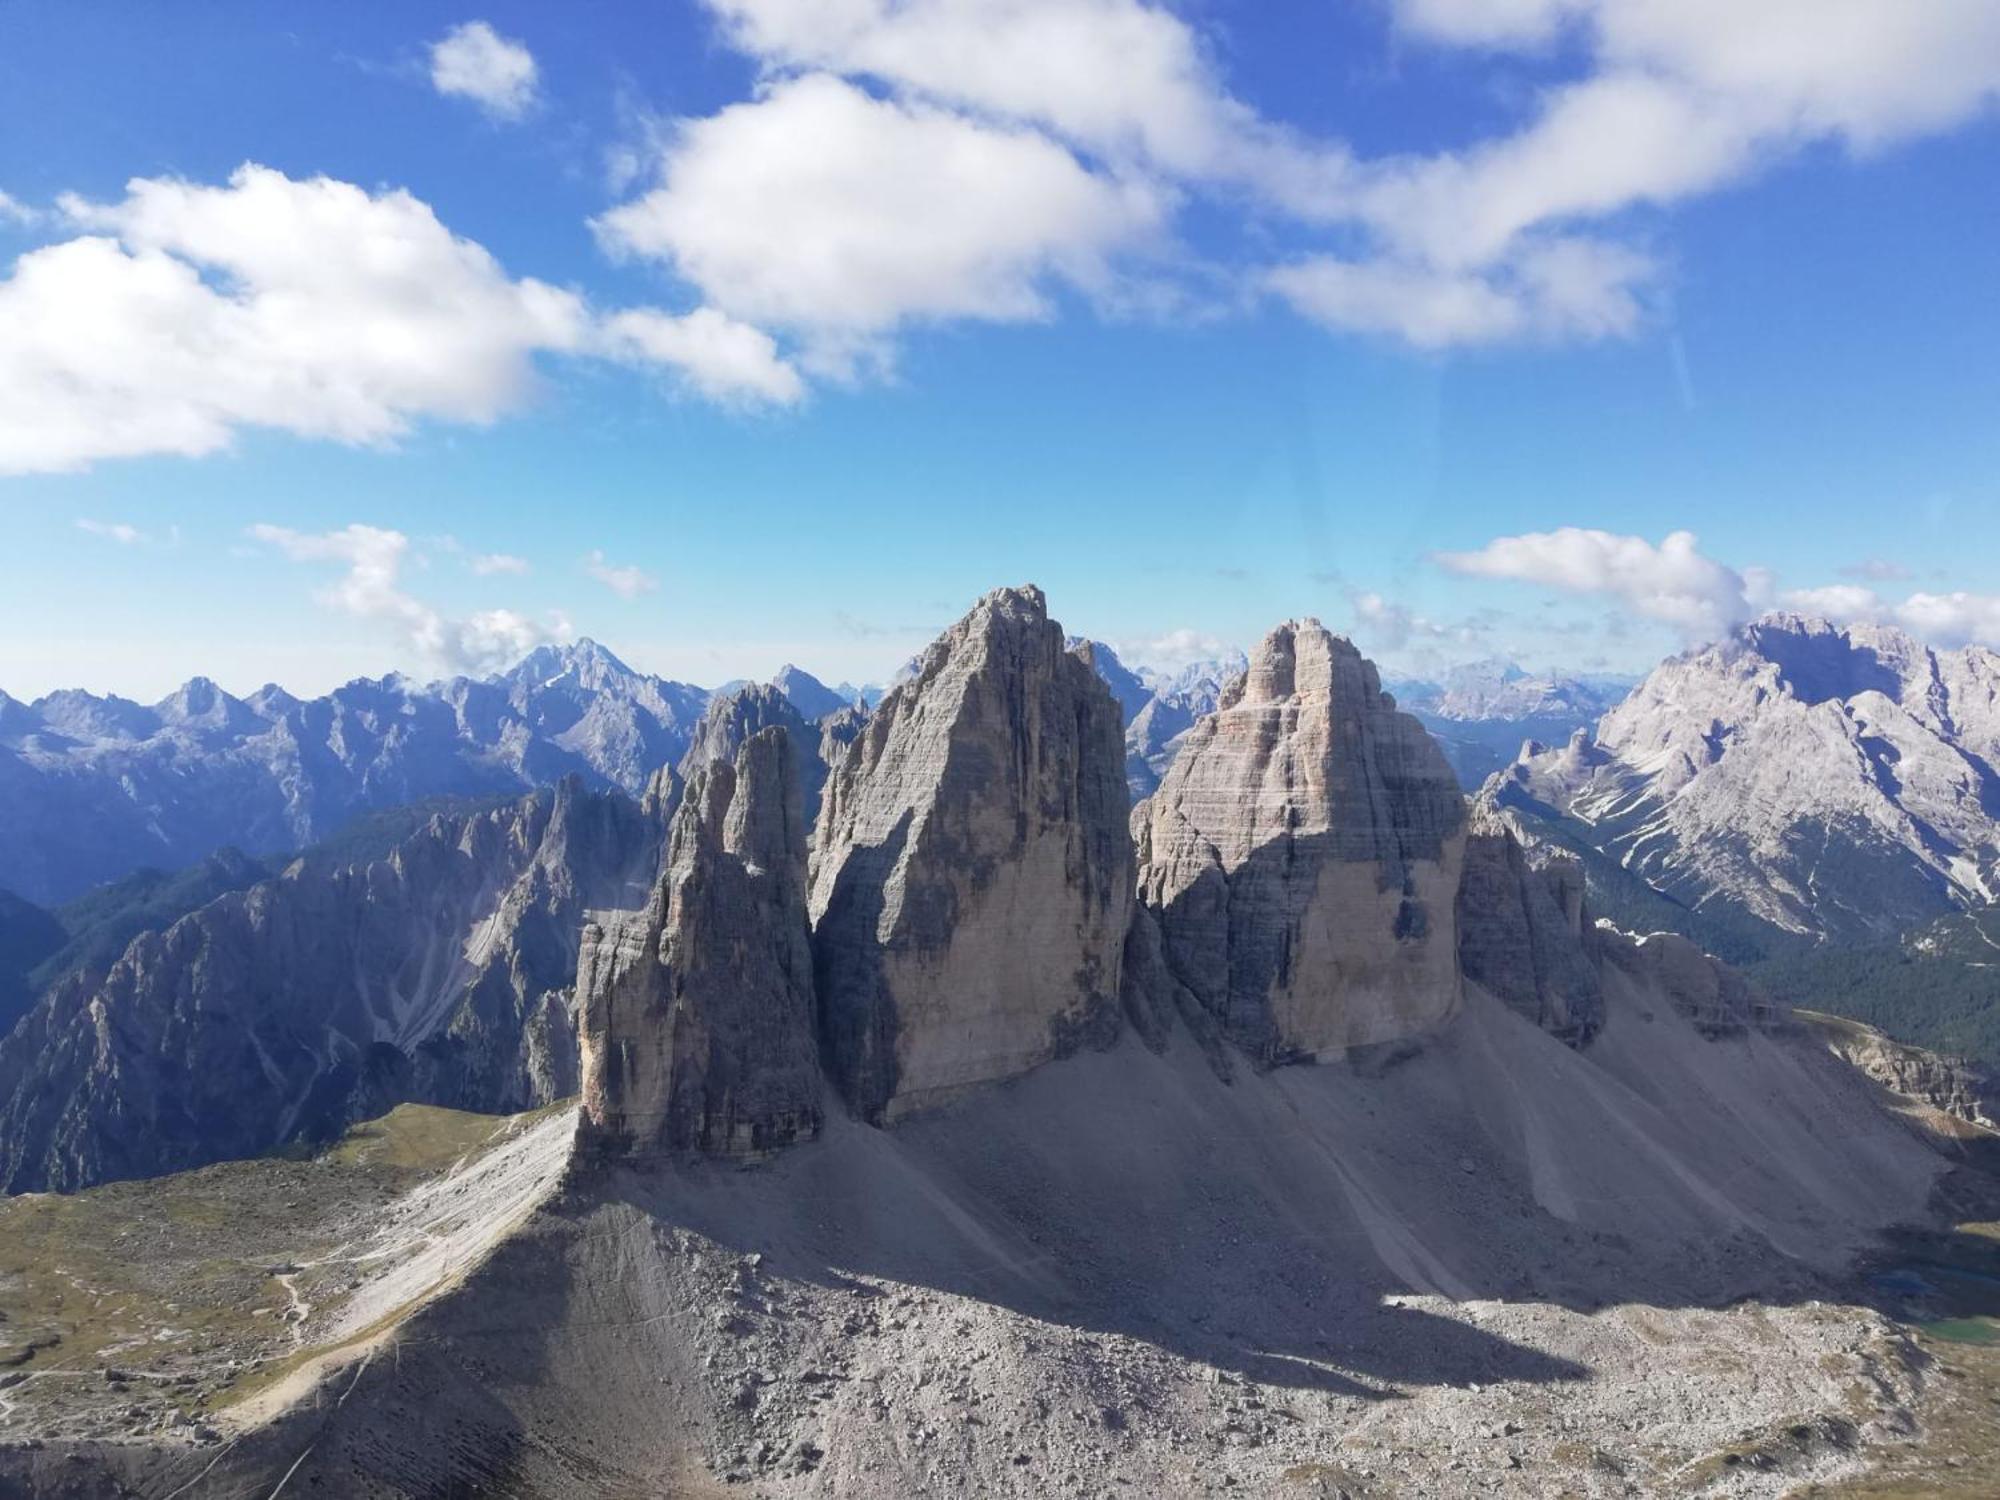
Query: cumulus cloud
[[475, 62], [822, 209], [1511, 237], [1515, 236], [627, 582], [1681, 97], [1129, 83], [712, 353], [185, 313], [1671, 581], [1675, 583], [1175, 651], [14, 211], [486, 564], [370, 588], [1954, 619], [1559, 289]]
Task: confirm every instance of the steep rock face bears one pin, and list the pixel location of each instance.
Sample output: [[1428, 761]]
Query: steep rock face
[[972, 875], [697, 1013], [285, 1011], [1815, 780], [1302, 857], [1524, 934], [733, 719], [836, 732]]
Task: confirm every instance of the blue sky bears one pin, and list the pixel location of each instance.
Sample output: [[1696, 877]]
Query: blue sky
[[775, 331]]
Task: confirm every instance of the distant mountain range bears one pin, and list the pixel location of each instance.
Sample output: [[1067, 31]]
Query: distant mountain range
[[1796, 781], [93, 788], [1482, 711]]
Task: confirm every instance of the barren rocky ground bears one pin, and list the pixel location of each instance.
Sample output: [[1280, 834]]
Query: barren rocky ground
[[958, 1305]]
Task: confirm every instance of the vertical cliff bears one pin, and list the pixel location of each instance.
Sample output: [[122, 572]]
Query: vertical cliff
[[972, 877], [697, 1012], [1301, 857]]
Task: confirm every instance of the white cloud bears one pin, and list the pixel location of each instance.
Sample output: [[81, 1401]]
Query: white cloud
[[1672, 581], [1842, 602], [714, 354], [370, 588], [1129, 83], [475, 62], [1504, 238], [820, 209], [1391, 626], [14, 211], [308, 306], [486, 564], [1675, 583], [112, 531], [1955, 619], [1682, 96], [312, 307], [1566, 288], [626, 582], [1174, 652]]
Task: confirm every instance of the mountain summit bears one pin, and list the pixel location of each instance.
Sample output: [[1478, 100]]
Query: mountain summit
[[1820, 780]]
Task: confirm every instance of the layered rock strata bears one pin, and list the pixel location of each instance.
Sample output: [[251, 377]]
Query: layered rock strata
[[697, 1012], [972, 877], [1302, 856]]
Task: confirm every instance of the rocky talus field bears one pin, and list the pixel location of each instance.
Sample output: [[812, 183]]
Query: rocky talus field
[[1299, 1133]]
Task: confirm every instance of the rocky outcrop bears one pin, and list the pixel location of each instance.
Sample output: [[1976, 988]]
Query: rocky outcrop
[[440, 974], [1717, 999], [697, 1013], [972, 875], [1302, 855], [1956, 1086], [1524, 934], [836, 732], [734, 718]]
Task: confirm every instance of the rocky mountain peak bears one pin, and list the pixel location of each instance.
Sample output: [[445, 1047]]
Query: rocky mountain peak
[[1301, 856], [812, 698], [696, 1014], [1815, 778], [582, 663], [733, 718], [972, 872]]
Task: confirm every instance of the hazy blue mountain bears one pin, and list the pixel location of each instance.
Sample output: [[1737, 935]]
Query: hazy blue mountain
[[812, 698], [1483, 711], [93, 788]]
